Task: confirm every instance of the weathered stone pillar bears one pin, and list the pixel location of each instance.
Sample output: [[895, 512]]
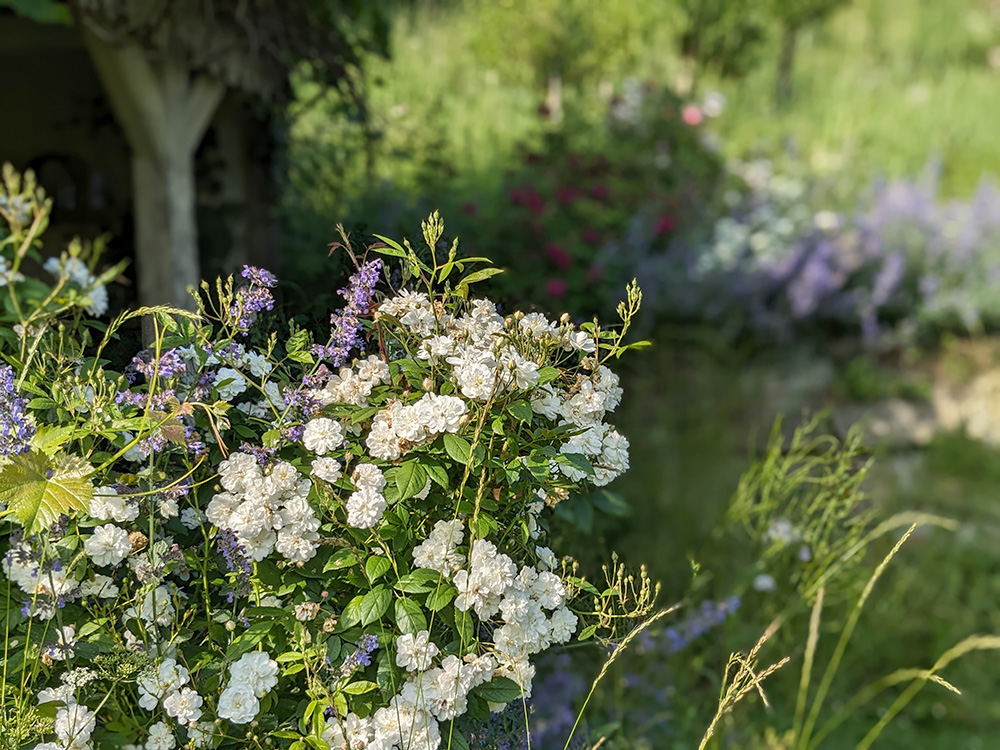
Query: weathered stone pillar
[[164, 109]]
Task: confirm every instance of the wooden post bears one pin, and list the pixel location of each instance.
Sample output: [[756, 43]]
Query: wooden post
[[164, 110]]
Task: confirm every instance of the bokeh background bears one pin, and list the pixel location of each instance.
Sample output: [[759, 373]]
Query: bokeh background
[[805, 191]]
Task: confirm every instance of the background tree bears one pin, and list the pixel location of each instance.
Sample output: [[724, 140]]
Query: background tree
[[792, 16]]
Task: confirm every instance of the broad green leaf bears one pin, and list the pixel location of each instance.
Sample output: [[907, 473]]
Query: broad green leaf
[[374, 604], [437, 473], [576, 460], [440, 597], [342, 558], [352, 612], [522, 410], [360, 687], [499, 690], [548, 374], [410, 479], [417, 582], [38, 489], [456, 447], [376, 566], [250, 638], [409, 617], [50, 438]]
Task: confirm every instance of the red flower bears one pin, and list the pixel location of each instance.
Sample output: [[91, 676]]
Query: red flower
[[470, 208], [591, 236], [527, 197], [663, 225], [559, 257], [599, 191], [567, 194], [556, 287]]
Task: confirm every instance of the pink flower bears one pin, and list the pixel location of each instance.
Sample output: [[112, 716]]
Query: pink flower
[[691, 115], [559, 257], [556, 287], [663, 225]]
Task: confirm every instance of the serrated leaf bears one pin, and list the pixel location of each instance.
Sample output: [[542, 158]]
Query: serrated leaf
[[576, 460], [49, 438], [351, 615], [38, 489], [410, 479], [418, 582], [456, 447], [522, 410], [439, 598], [377, 566], [437, 473], [342, 558], [374, 604], [499, 690], [548, 374], [409, 616]]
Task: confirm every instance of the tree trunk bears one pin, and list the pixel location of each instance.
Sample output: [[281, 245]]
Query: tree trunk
[[786, 66], [164, 110]]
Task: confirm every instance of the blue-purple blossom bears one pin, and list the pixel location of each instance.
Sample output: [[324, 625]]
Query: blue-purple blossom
[[254, 298], [345, 333], [17, 428], [366, 646], [237, 562]]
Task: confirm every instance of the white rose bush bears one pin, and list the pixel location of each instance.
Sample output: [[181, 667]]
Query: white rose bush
[[240, 538]]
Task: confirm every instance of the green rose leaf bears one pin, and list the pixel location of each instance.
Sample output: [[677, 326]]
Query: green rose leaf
[[456, 447], [499, 690], [409, 617], [374, 604], [440, 597], [38, 489], [410, 479], [522, 410], [376, 567]]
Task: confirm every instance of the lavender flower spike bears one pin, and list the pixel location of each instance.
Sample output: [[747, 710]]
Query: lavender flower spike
[[17, 428]]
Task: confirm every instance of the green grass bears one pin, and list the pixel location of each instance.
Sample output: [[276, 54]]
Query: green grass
[[882, 87]]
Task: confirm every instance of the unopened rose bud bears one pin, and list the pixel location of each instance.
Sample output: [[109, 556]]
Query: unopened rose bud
[[428, 384], [564, 318], [230, 625]]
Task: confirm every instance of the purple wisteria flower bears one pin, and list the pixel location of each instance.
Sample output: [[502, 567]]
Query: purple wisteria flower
[[345, 333], [17, 427], [253, 298]]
